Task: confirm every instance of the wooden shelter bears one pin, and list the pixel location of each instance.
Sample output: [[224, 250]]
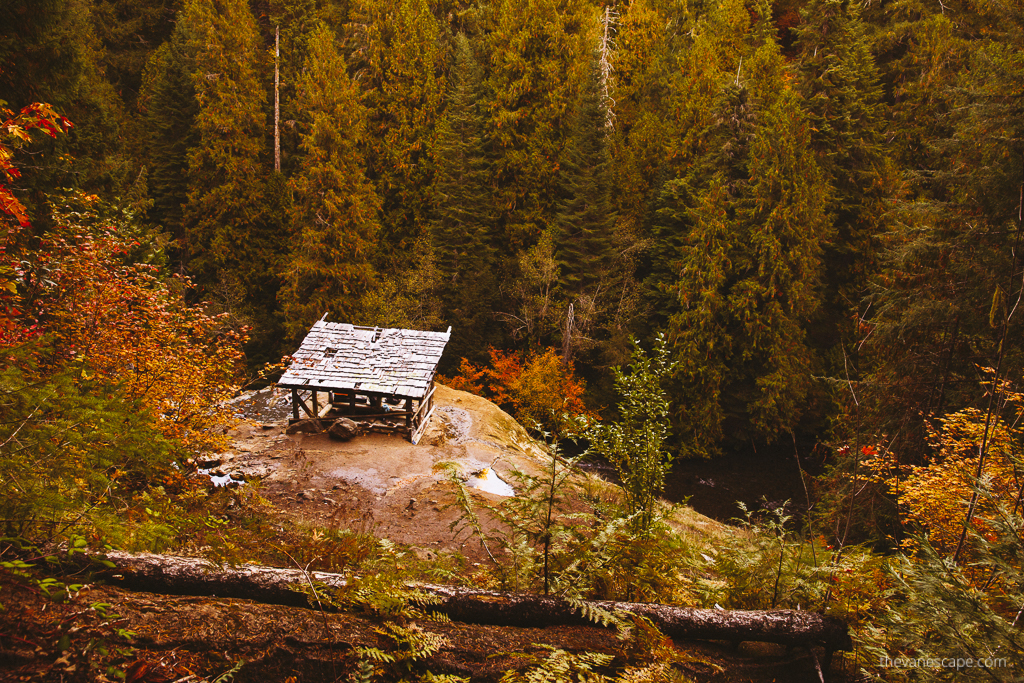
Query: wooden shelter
[[369, 374]]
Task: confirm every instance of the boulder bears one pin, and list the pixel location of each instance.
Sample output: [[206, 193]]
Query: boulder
[[343, 429], [304, 427]]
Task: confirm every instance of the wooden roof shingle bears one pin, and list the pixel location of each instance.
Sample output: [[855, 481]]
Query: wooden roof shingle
[[368, 360]]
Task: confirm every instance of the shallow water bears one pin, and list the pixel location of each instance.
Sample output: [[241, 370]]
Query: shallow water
[[487, 480]]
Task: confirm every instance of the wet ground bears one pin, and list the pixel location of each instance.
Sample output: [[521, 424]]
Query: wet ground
[[381, 483]]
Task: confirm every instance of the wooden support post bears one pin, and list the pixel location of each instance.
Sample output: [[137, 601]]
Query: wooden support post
[[316, 408], [295, 404], [408, 416]]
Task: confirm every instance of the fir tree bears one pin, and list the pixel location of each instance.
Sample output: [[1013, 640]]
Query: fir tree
[[170, 108], [952, 257], [399, 56], [840, 85], [644, 85], [463, 228], [750, 261], [585, 218], [236, 231], [585, 224], [540, 53], [336, 208]]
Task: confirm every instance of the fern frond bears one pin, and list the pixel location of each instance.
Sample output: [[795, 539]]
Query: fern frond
[[229, 675], [376, 654], [597, 615]]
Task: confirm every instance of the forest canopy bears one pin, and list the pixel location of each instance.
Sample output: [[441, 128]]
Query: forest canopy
[[817, 202]]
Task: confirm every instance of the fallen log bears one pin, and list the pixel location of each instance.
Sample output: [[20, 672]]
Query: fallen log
[[193, 576]]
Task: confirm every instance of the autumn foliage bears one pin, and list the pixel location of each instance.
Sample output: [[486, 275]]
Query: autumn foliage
[[15, 130], [536, 386], [74, 295], [133, 328], [932, 497]]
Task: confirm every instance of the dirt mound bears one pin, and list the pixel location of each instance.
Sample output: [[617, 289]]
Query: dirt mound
[[380, 483]]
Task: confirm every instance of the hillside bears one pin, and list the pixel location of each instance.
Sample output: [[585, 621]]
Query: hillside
[[384, 485], [374, 484]]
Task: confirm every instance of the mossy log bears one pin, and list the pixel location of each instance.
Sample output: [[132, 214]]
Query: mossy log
[[193, 576]]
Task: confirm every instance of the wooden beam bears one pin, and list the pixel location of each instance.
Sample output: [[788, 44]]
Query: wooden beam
[[295, 404], [415, 436]]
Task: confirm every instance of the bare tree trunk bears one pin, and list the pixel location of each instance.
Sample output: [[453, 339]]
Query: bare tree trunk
[[277, 99], [192, 576]]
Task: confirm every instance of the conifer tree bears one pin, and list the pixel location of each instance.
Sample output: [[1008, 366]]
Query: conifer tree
[[170, 108], [540, 52], [49, 53], [750, 260], [708, 61], [236, 229], [952, 262], [585, 220], [336, 208], [463, 228], [129, 30], [584, 229], [398, 53], [293, 20], [644, 79], [840, 85]]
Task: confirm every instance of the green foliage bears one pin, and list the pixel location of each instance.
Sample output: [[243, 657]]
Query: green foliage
[[70, 635], [549, 543], [403, 656], [840, 84], [955, 622], [399, 53], [771, 567], [336, 209], [635, 444], [644, 88], [649, 656], [535, 515], [749, 263], [229, 675], [170, 110], [462, 231], [952, 253], [236, 228], [538, 57], [49, 52], [70, 443], [562, 666]]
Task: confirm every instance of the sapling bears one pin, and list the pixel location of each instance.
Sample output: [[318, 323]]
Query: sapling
[[635, 443]]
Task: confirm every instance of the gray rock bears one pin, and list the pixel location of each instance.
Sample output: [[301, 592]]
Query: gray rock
[[303, 427], [343, 429]]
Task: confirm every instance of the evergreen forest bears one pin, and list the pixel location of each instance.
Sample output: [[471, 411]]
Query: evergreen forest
[[660, 231]]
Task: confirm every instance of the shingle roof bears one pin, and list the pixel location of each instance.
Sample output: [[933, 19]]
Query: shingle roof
[[343, 357]]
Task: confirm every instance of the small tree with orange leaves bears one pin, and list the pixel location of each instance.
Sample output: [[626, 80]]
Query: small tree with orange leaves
[[932, 498], [537, 387], [131, 327], [108, 373]]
